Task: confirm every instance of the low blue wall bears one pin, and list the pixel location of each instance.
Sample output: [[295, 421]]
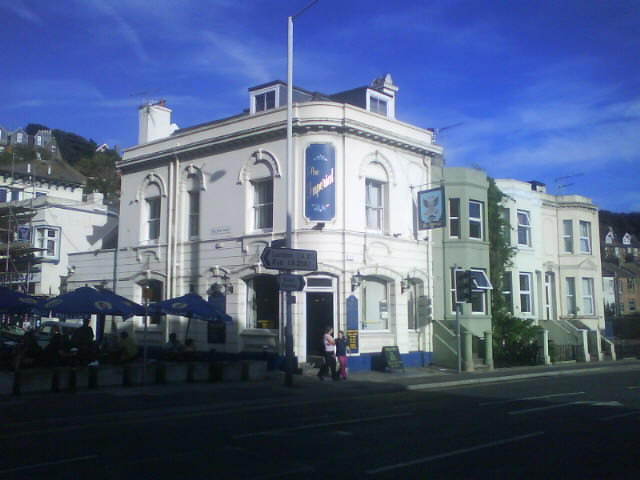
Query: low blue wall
[[375, 361]]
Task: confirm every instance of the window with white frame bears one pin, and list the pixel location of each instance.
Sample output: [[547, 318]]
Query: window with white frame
[[567, 235], [478, 299], [588, 304], [264, 101], [524, 228], [526, 292], [585, 237], [375, 304], [262, 203], [452, 290], [507, 290], [193, 200], [475, 220], [378, 105], [454, 217], [263, 306], [47, 239], [374, 204], [570, 292], [153, 206], [505, 216]]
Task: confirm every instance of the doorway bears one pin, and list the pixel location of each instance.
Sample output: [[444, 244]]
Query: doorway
[[319, 316]]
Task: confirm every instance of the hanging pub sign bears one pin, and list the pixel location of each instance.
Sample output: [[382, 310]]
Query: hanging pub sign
[[320, 187], [431, 213]]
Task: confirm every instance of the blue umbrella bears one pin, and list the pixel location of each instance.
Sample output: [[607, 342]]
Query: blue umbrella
[[192, 306], [17, 302], [87, 301]]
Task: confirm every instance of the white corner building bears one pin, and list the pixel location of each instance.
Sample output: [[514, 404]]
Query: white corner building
[[200, 204]]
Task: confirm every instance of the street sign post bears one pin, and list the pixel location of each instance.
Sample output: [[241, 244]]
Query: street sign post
[[289, 259], [291, 283]]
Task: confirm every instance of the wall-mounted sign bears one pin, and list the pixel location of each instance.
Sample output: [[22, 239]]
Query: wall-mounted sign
[[431, 209], [352, 324], [320, 182]]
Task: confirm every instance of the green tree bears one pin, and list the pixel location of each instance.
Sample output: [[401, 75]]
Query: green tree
[[514, 339]]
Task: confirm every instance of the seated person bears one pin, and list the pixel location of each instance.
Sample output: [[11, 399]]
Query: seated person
[[56, 352], [189, 351], [128, 350], [29, 352], [173, 348]]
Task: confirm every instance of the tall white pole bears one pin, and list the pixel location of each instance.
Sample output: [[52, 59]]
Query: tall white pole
[[289, 201]]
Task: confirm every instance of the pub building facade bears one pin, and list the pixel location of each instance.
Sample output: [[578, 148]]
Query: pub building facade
[[200, 204]]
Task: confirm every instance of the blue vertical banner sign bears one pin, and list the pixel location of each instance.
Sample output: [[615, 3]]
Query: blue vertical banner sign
[[320, 182], [431, 209], [352, 324]]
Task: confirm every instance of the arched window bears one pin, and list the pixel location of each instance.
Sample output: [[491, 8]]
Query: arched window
[[152, 210], [375, 304], [263, 306], [193, 206], [376, 197]]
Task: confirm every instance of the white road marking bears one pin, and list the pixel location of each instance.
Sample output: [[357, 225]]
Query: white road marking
[[48, 464], [452, 453], [562, 405], [541, 397], [620, 415], [540, 409], [318, 425], [634, 387]]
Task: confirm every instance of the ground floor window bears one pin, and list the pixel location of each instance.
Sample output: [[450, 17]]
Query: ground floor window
[[479, 300], [375, 304], [526, 293], [263, 302], [156, 294]]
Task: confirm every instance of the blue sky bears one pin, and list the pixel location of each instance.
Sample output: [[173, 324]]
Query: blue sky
[[537, 89]]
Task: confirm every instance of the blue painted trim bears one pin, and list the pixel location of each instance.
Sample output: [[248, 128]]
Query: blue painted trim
[[375, 361]]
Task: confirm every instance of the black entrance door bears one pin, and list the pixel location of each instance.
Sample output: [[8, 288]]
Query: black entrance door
[[319, 316]]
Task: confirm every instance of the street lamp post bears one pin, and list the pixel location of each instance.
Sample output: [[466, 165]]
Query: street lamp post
[[290, 193]]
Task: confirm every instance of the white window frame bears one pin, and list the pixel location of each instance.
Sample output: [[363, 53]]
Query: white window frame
[[585, 237], [153, 223], [377, 210], [479, 294], [379, 97], [570, 295], [260, 206], [265, 91], [194, 202], [588, 300], [524, 227], [386, 322], [454, 219], [526, 293], [41, 239], [567, 236], [476, 220]]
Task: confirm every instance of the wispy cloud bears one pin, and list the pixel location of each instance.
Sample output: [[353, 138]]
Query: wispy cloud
[[124, 29], [233, 55], [18, 7]]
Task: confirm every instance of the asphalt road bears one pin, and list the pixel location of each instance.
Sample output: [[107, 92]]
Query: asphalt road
[[576, 426]]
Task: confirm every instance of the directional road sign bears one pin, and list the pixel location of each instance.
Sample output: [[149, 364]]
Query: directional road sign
[[291, 283], [289, 259]]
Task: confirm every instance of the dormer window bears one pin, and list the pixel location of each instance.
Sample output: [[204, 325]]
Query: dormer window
[[264, 99], [377, 105]]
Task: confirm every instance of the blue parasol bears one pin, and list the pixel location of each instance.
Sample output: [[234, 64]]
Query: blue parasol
[[192, 306], [12, 301], [87, 301]]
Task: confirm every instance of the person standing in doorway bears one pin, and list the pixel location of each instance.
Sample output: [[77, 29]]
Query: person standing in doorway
[[342, 347], [329, 355]]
